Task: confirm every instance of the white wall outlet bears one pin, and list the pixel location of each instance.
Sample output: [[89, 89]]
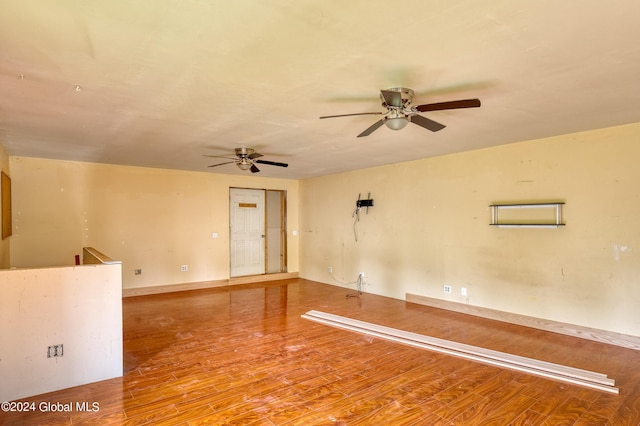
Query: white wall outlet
[[463, 291], [447, 289], [184, 268], [214, 235], [330, 269]]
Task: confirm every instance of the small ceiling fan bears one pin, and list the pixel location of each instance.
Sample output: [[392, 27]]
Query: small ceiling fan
[[397, 101], [246, 159]]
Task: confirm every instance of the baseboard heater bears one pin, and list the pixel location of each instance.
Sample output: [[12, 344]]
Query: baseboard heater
[[531, 366]]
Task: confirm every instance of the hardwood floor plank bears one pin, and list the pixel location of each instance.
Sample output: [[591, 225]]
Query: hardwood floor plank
[[151, 413], [568, 413], [590, 419], [497, 403], [400, 415], [456, 391], [243, 355], [629, 411], [507, 414], [465, 405], [529, 418]]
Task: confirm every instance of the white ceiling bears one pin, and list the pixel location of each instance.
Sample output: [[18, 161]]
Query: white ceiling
[[160, 83]]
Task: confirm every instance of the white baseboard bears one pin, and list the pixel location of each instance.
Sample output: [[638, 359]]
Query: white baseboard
[[249, 279], [170, 288], [602, 336]]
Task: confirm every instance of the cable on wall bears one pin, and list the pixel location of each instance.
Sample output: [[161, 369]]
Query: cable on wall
[[359, 282], [356, 214], [358, 286], [360, 204]]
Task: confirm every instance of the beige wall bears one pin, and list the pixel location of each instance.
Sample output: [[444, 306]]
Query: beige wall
[[150, 219], [430, 227]]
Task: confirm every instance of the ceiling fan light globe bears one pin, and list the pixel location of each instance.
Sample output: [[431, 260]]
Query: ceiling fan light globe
[[244, 166], [396, 123]]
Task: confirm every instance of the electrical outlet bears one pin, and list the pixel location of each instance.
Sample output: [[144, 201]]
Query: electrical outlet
[[463, 291], [55, 351], [184, 268], [330, 269], [447, 289]]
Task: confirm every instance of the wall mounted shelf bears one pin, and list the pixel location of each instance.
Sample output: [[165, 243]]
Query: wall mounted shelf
[[520, 221]]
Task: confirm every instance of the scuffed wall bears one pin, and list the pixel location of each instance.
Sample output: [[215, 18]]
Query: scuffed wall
[[150, 219], [429, 227]]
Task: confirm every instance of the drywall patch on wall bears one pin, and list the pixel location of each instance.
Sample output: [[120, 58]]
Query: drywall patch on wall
[[620, 251]]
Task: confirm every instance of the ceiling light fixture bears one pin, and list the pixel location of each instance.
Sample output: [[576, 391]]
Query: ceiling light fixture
[[244, 164], [396, 119], [396, 123]]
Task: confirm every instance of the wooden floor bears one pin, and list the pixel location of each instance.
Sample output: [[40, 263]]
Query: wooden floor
[[243, 355]]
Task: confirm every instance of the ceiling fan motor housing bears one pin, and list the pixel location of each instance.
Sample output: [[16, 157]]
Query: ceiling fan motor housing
[[244, 152], [397, 101], [406, 96]]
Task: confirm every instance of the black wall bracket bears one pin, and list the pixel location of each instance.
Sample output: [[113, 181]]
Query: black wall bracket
[[364, 203]]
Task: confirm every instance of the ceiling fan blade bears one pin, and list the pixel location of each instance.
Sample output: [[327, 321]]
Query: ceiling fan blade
[[272, 163], [221, 164], [371, 129], [427, 123], [392, 98], [254, 155], [465, 103], [254, 169], [348, 115], [218, 156]]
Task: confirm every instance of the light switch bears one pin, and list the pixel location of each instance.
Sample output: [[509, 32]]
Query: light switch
[[214, 235]]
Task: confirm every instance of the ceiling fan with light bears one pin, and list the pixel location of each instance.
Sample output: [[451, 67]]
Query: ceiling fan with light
[[400, 112], [246, 159]]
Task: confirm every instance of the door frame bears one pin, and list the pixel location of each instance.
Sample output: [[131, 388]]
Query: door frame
[[282, 256]]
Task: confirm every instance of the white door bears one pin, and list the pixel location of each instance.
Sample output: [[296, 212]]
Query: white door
[[247, 231]]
